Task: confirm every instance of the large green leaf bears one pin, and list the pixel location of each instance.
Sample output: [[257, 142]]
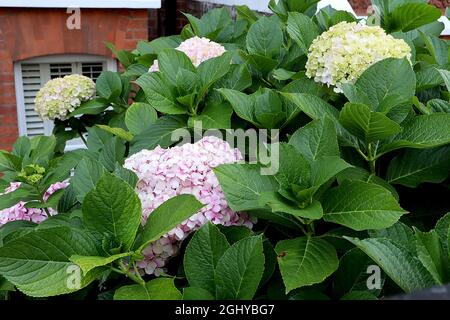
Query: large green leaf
[[383, 86], [367, 125], [113, 208], [302, 30], [316, 139], [243, 185], [421, 132], [413, 15], [159, 94], [87, 263], [305, 261], [361, 206], [240, 270], [213, 69], [38, 263], [109, 85], [399, 233], [162, 132], [203, 252], [352, 273], [139, 116], [167, 216], [156, 289], [432, 255], [437, 47], [417, 166], [265, 38], [170, 61], [242, 104], [94, 106], [402, 266], [87, 173]]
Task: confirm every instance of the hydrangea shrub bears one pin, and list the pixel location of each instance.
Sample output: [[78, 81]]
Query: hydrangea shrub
[[349, 169]]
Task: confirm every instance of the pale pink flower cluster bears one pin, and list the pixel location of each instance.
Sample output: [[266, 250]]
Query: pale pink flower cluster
[[20, 212], [186, 169], [198, 50]]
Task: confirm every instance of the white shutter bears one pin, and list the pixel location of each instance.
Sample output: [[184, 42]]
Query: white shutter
[[32, 82]]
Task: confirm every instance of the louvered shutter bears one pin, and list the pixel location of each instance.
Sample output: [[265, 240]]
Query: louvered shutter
[[32, 82]]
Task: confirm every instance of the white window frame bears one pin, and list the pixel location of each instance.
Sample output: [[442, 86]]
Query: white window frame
[[110, 65]]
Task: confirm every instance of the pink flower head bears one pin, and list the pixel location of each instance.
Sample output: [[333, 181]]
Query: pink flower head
[[20, 212], [198, 50], [186, 169]]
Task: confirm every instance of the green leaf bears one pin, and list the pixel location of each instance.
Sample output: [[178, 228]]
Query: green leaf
[[87, 173], [38, 263], [119, 132], [87, 263], [240, 270], [139, 116], [265, 38], [162, 132], [305, 261], [156, 289], [367, 125], [9, 162], [384, 86], [278, 204], [431, 254], [326, 168], [443, 230], [438, 48], [109, 85], [167, 216], [402, 266], [194, 293], [414, 15], [214, 116], [361, 206], [202, 254], [94, 106], [302, 30], [421, 132], [22, 147], [414, 167], [399, 233], [159, 94], [316, 139], [170, 61], [113, 208], [242, 104], [243, 185], [213, 69], [352, 274], [126, 175], [446, 77]]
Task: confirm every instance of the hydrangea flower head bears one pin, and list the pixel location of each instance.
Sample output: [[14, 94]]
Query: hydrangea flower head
[[186, 169], [341, 54], [198, 50], [61, 96], [19, 210]]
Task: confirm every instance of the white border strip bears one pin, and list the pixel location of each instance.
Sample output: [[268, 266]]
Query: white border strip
[[128, 4]]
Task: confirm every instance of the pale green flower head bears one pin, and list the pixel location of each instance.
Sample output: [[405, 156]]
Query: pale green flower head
[[61, 96], [341, 54]]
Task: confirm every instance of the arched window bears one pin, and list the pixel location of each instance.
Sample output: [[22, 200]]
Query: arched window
[[31, 75]]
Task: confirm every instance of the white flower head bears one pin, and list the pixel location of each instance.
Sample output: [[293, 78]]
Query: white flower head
[[341, 54], [61, 96]]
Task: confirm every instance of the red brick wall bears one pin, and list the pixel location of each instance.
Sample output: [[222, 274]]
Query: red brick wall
[[27, 33]]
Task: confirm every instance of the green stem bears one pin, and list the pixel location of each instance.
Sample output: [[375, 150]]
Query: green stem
[[371, 158], [125, 270]]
